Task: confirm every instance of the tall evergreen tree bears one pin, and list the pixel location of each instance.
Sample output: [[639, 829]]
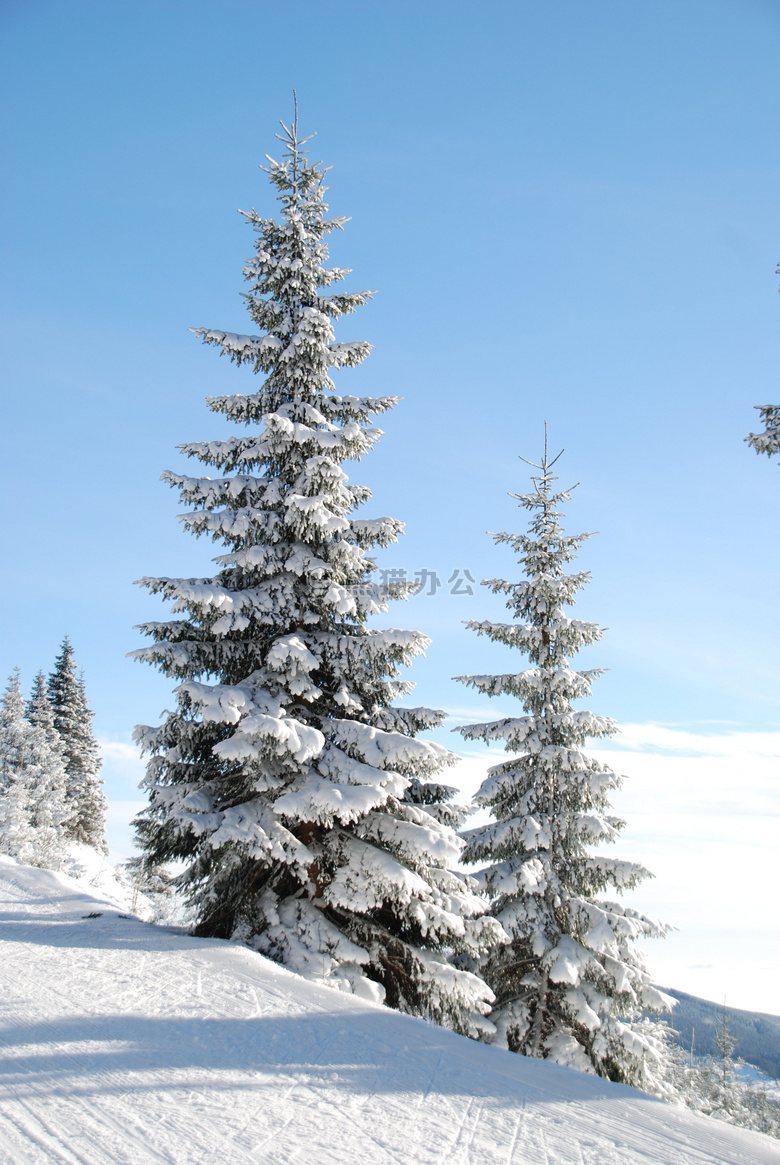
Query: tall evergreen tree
[[569, 984], [295, 791], [31, 786], [86, 802]]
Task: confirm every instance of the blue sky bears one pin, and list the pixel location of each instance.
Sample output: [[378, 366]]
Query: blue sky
[[569, 213]]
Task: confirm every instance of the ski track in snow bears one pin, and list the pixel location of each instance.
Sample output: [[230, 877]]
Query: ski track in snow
[[121, 1042]]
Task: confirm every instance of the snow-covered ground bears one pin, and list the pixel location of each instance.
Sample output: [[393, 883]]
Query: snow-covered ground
[[123, 1042]]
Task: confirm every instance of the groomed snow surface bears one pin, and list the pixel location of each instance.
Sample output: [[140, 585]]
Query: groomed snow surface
[[126, 1042]]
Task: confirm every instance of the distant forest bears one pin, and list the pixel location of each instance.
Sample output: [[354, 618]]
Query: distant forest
[[757, 1035]]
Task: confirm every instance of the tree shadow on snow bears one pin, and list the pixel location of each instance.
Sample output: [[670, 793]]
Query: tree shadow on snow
[[109, 930], [363, 1052], [343, 1046]]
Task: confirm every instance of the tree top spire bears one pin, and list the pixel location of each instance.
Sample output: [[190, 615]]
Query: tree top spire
[[542, 482], [290, 136], [546, 465]]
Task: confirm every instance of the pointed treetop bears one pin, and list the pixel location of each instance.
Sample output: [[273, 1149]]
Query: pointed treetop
[[545, 465], [62, 680], [40, 711], [289, 138], [12, 697], [39, 699], [543, 500], [542, 484], [64, 660]]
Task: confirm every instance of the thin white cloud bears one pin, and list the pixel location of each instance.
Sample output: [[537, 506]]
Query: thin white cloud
[[123, 768], [660, 737], [120, 751]]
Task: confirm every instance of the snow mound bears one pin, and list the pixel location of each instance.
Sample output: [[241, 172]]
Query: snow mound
[[126, 1042]]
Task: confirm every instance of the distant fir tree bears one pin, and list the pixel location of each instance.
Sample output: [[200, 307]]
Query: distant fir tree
[[291, 786], [15, 828], [86, 802], [32, 781], [48, 805], [569, 986]]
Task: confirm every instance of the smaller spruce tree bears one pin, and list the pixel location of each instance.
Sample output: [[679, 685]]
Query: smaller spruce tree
[[725, 1042], [86, 802], [569, 986]]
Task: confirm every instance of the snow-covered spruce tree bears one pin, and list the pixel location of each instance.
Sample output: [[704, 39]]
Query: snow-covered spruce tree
[[31, 784], [291, 786], [86, 802], [568, 986], [48, 807], [15, 828]]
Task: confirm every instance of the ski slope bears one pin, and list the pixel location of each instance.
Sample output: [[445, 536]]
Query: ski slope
[[124, 1042]]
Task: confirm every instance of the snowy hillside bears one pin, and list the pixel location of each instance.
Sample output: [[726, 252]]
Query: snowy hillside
[[124, 1042], [757, 1034]]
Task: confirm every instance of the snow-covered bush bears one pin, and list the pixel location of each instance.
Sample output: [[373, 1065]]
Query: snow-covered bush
[[286, 779], [570, 985]]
